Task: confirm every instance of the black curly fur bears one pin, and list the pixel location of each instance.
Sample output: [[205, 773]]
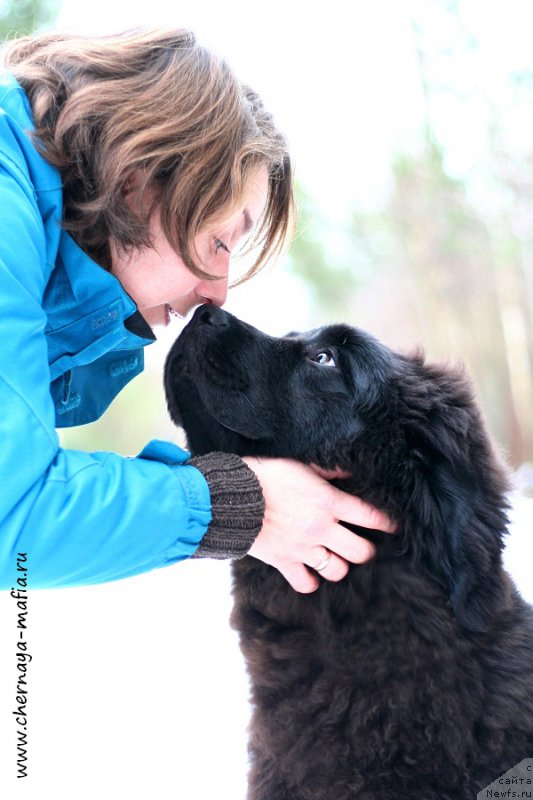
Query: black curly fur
[[412, 679]]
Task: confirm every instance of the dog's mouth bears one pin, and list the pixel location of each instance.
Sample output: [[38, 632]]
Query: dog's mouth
[[202, 355], [207, 382]]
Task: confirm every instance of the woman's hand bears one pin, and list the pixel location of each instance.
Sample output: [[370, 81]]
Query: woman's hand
[[300, 527]]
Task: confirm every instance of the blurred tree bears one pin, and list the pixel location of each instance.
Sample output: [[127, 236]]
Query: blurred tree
[[512, 237], [312, 260], [19, 17], [475, 276], [444, 266], [447, 250]]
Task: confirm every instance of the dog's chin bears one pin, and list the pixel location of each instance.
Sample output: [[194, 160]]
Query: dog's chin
[[205, 438], [175, 415]]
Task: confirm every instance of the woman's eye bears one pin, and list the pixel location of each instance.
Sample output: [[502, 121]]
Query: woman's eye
[[325, 358], [219, 245]]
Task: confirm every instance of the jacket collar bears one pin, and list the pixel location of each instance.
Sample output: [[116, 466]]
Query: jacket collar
[[87, 289]]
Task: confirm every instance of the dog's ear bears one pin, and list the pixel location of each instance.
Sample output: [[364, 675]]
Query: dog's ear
[[461, 542], [457, 508]]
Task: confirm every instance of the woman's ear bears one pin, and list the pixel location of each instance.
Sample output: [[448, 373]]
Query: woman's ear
[[135, 183], [141, 199]]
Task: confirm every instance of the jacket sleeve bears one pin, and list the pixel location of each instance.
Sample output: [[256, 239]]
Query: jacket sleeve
[[78, 517]]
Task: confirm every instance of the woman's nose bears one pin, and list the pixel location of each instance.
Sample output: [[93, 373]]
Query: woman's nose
[[214, 292]]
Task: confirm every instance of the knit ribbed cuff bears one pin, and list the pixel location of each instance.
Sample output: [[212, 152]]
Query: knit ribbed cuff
[[237, 506]]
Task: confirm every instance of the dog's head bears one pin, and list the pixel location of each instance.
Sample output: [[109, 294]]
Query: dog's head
[[408, 433]]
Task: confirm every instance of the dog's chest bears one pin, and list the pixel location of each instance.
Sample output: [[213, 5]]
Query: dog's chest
[[362, 662], [364, 644], [372, 627]]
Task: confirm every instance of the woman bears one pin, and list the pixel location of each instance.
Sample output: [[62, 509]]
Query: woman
[[131, 167]]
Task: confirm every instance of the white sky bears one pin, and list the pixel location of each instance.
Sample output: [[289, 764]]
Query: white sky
[[341, 76], [331, 89]]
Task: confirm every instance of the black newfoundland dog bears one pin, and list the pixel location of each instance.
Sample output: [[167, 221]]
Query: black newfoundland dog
[[412, 678]]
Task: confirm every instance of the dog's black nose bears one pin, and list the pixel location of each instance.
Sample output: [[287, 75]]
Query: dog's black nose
[[211, 315]]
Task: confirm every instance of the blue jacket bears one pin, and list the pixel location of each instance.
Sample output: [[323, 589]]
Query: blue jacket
[[70, 339]]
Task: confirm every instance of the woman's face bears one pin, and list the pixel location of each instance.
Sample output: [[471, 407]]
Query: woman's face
[[159, 281]]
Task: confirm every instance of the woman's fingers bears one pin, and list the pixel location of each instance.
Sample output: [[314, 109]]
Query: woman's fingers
[[306, 580], [300, 578], [301, 524], [347, 545], [328, 564], [348, 508]]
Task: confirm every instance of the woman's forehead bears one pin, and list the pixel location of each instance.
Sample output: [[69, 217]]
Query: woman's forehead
[[243, 217]]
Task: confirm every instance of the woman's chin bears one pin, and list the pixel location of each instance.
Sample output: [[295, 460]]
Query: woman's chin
[[157, 316]]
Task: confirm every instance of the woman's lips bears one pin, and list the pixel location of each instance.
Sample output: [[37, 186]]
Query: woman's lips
[[163, 315], [171, 312]]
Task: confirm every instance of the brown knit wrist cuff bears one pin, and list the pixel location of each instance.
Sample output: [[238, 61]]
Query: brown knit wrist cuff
[[237, 506]]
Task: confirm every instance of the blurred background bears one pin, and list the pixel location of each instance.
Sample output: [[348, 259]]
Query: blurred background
[[411, 128]]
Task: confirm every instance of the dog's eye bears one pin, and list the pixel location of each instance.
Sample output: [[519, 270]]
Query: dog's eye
[[324, 358]]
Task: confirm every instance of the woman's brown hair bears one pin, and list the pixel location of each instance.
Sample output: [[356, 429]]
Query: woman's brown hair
[[158, 104]]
